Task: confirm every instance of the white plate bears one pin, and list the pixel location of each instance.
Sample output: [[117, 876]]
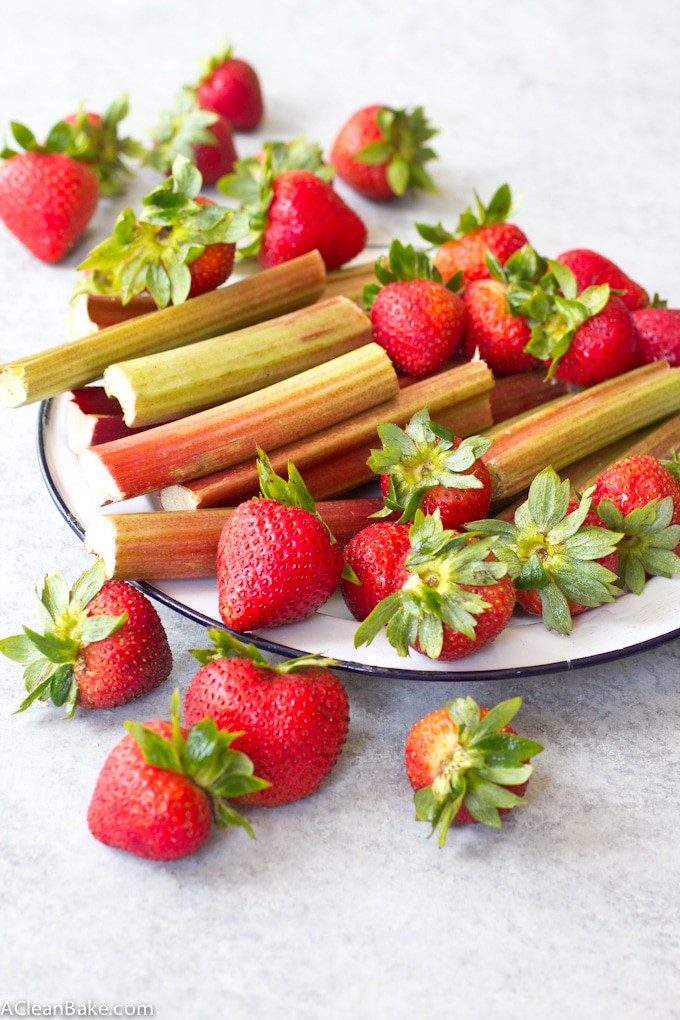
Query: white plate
[[524, 648]]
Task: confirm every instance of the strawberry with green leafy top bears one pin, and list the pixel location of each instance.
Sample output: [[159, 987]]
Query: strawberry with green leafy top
[[96, 139], [179, 246], [591, 269], [293, 715], [202, 136], [551, 549], [486, 230], [162, 787], [277, 561], [640, 497], [47, 198], [380, 152], [376, 555], [456, 598], [424, 467], [418, 319], [291, 208], [103, 644], [467, 764], [231, 87]]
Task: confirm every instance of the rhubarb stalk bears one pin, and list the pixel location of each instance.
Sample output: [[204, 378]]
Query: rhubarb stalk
[[230, 433], [267, 294]]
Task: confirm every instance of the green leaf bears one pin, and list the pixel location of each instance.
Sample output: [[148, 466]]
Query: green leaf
[[507, 750], [40, 691], [156, 749], [512, 776], [20, 648], [56, 649], [373, 154], [556, 615], [481, 810], [97, 628], [464, 712], [496, 718], [55, 595], [565, 278], [398, 175], [60, 687], [23, 136], [425, 804]]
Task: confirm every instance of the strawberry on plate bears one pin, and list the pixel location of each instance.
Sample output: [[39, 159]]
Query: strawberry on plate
[[416, 317], [47, 198], [486, 230], [456, 597], [180, 245], [96, 140], [103, 644], [380, 152], [555, 555], [163, 785], [202, 136], [291, 207], [231, 87], [377, 556], [423, 466], [467, 764], [277, 561], [591, 269], [292, 716]]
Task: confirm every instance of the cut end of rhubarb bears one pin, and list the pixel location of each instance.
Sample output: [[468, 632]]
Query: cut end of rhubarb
[[13, 392], [100, 540], [79, 322], [100, 483], [117, 385], [178, 497]]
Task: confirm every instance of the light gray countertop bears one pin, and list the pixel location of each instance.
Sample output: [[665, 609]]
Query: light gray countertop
[[342, 907]]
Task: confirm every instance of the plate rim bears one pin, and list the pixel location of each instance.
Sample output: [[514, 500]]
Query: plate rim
[[362, 669]]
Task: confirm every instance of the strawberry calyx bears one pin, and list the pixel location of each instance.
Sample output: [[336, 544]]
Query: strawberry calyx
[[404, 262], [180, 129], [209, 64], [153, 251], [97, 141], [648, 542], [48, 658], [673, 464], [420, 457], [402, 149], [59, 139], [553, 332], [227, 646], [482, 761], [293, 492], [252, 183], [552, 550], [498, 210], [205, 757], [439, 563]]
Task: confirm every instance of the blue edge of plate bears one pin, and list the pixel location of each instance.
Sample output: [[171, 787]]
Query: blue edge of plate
[[352, 667]]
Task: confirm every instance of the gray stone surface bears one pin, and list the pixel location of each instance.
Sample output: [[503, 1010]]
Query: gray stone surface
[[342, 907]]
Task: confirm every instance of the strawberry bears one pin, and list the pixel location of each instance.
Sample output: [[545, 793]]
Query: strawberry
[[47, 198], [589, 335], [592, 270], [456, 597], [181, 245], [162, 786], [419, 320], [464, 250], [467, 764], [502, 311], [230, 86], [103, 646], [277, 562], [640, 497], [380, 152], [553, 552], [377, 555], [293, 716], [659, 332], [424, 467], [96, 140], [291, 207], [202, 136]]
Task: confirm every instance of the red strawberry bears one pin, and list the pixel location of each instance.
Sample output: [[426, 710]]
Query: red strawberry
[[424, 467], [499, 336], [293, 717], [161, 786], [46, 197], [180, 245], [592, 269], [380, 152], [292, 208], [487, 230], [96, 140], [467, 764], [230, 86], [276, 560], [417, 319], [659, 332], [202, 136], [377, 555], [456, 597], [105, 644]]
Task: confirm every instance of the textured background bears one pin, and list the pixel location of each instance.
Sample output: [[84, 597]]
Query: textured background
[[342, 907]]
